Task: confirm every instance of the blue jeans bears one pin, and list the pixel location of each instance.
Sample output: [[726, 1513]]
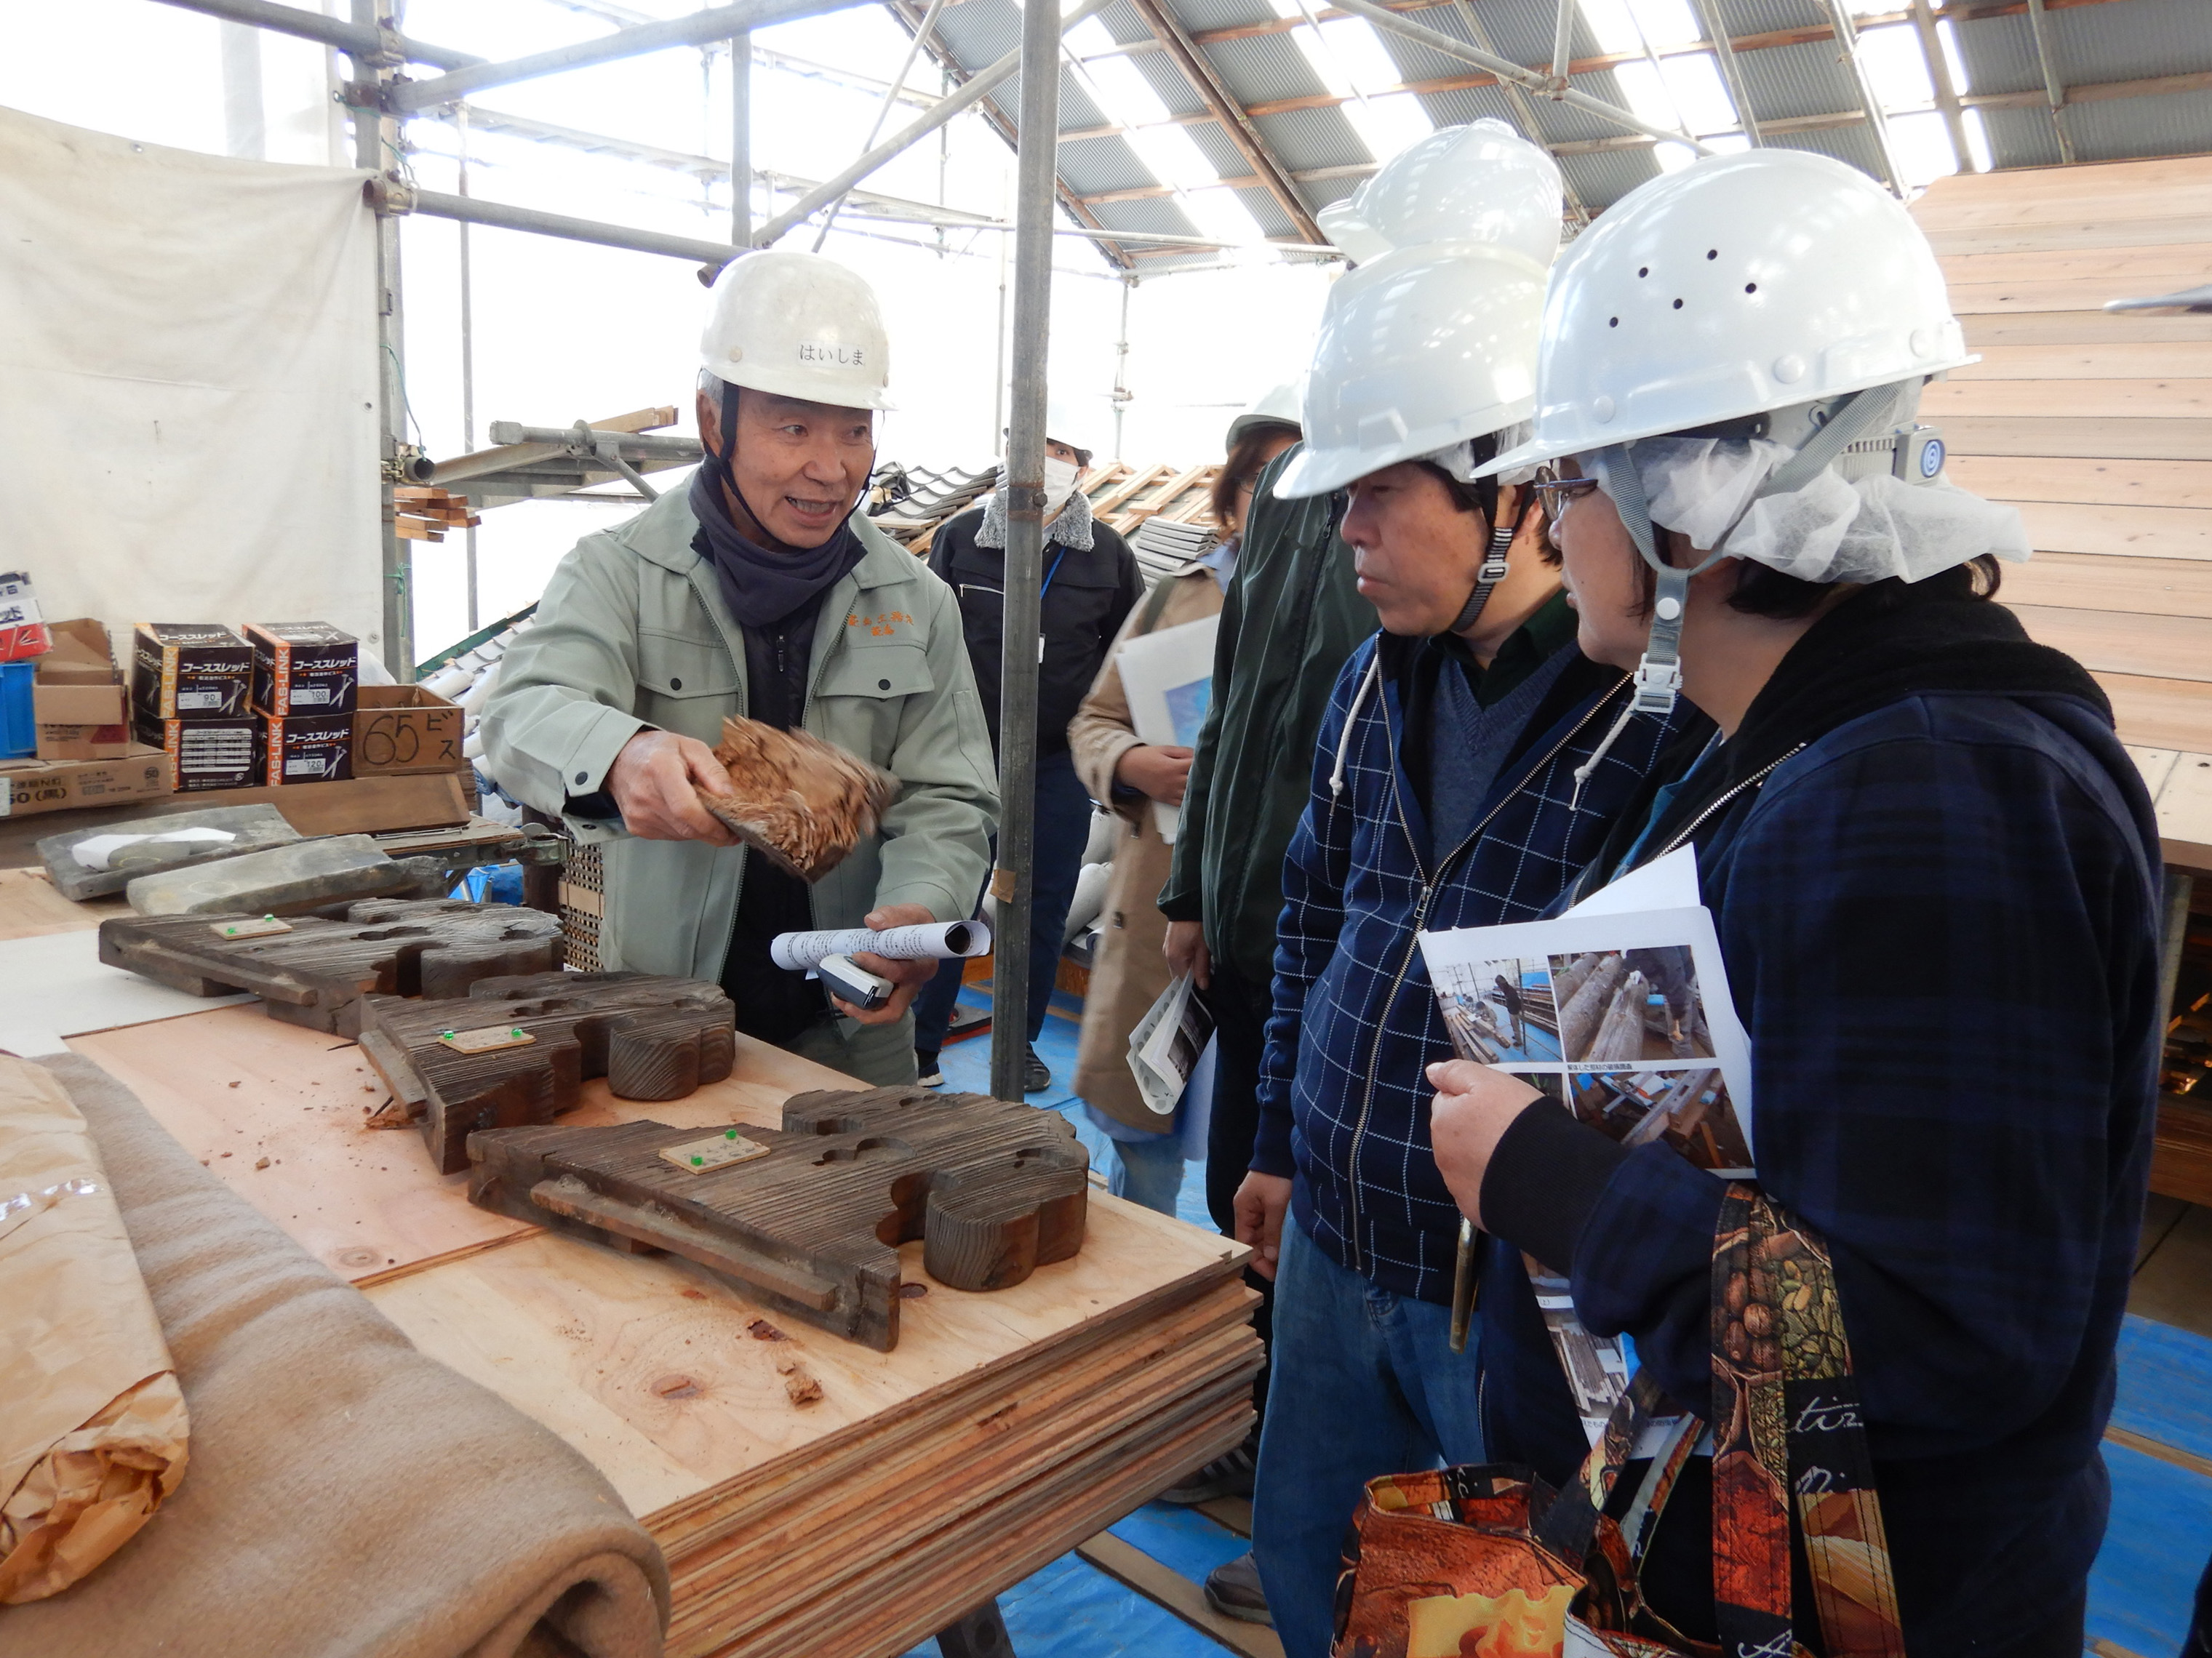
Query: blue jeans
[[1362, 1382], [1063, 829], [1148, 1171]]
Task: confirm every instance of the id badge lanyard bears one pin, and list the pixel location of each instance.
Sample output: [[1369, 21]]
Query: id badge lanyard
[[1042, 591]]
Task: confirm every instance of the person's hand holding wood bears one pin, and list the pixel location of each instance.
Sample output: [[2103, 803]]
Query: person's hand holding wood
[[657, 781], [1160, 771], [1473, 1107]]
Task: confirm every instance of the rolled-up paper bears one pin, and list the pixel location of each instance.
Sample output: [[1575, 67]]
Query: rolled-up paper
[[801, 952], [93, 1435]]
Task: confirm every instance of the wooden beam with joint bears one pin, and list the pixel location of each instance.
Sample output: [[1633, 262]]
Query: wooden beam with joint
[[1236, 123]]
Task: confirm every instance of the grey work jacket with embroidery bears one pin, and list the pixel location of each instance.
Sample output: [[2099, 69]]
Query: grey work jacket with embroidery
[[633, 633]]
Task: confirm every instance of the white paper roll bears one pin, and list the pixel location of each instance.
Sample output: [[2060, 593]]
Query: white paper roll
[[797, 952]]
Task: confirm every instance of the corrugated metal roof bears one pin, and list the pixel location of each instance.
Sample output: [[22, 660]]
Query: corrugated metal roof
[[2102, 41]]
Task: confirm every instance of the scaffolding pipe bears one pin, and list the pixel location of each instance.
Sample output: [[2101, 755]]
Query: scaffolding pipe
[[373, 133], [1847, 36], [364, 43], [882, 110], [694, 29], [979, 87], [1563, 35], [1021, 642], [1709, 18], [602, 442], [1504, 69], [741, 138], [1939, 77], [393, 198], [2052, 87]]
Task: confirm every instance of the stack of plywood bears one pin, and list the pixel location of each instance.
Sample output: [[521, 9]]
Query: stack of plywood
[[2097, 425], [812, 1495]]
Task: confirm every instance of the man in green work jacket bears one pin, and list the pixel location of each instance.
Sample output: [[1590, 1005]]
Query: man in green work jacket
[[761, 591]]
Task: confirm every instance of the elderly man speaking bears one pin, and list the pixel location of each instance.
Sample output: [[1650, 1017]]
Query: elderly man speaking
[[762, 592]]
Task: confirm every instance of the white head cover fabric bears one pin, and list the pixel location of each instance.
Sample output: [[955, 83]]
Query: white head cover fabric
[[1832, 530]]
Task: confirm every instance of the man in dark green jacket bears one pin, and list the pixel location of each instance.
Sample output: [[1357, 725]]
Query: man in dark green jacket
[[1291, 617]]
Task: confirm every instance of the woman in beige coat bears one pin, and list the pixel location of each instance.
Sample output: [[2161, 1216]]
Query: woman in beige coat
[[1130, 970], [1126, 776]]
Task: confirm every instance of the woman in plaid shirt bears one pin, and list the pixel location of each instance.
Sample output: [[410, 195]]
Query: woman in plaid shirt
[[1932, 868]]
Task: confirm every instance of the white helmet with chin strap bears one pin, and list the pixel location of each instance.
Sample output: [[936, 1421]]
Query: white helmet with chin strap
[[1739, 349], [798, 325]]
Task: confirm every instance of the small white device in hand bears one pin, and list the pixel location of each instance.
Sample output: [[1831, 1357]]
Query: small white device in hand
[[852, 983]]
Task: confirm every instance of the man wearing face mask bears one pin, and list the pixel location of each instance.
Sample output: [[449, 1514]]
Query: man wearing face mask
[[760, 591], [1090, 583]]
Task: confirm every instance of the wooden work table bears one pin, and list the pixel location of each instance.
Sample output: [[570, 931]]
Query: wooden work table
[[812, 1495]]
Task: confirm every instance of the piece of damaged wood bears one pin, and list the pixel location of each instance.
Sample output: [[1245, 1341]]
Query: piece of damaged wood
[[803, 802], [993, 1190], [316, 973], [651, 1036]]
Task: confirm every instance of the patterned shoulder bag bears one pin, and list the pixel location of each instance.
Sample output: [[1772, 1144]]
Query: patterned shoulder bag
[[1488, 1562]]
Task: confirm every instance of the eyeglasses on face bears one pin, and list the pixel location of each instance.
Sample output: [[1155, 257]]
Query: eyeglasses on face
[[1557, 491]]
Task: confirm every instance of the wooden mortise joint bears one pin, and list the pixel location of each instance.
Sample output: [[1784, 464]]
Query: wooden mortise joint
[[651, 1037], [812, 1227]]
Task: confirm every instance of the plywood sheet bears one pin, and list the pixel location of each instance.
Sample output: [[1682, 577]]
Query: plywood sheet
[[588, 1342], [2146, 439], [2161, 713], [2097, 181], [2084, 232], [31, 909], [2156, 765], [2130, 642], [2130, 482], [365, 1201], [2073, 400], [53, 986], [2185, 260], [2082, 582], [2125, 198], [2082, 327]]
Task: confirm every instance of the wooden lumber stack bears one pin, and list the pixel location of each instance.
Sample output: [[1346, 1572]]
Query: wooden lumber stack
[[421, 513], [814, 1496], [2097, 425]]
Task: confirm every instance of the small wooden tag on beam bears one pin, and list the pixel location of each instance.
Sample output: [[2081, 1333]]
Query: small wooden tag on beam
[[266, 925], [486, 1039], [702, 1157]]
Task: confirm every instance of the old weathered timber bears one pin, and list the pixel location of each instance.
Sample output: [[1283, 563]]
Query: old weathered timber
[[811, 1226], [315, 971], [652, 1038], [802, 802]]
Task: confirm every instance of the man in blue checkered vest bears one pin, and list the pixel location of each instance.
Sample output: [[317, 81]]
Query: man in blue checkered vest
[[1454, 787]]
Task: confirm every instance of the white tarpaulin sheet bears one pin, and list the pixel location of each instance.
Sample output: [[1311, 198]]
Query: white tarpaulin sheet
[[187, 384]]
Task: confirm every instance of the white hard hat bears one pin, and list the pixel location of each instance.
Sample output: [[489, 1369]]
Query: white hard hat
[[1279, 405], [1742, 284], [798, 325], [1478, 183], [1420, 351]]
